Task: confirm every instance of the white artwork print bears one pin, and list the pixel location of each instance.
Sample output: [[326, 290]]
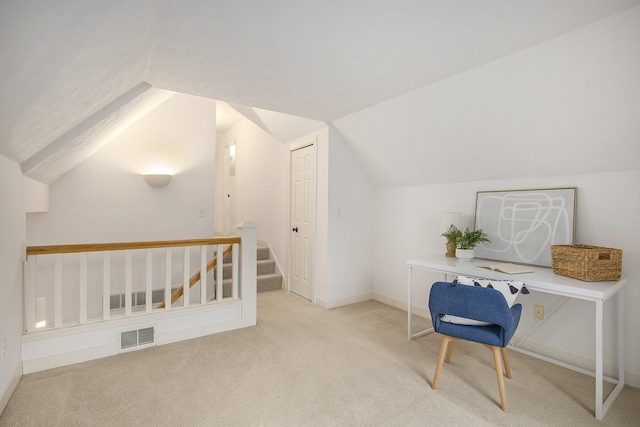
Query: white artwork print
[[523, 224]]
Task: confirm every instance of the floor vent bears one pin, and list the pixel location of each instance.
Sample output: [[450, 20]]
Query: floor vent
[[137, 338]]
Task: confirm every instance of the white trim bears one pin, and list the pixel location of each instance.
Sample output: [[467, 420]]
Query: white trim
[[10, 388], [344, 301], [303, 142], [419, 311]]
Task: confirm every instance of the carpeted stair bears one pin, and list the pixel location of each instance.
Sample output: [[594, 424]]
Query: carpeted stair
[[268, 279]]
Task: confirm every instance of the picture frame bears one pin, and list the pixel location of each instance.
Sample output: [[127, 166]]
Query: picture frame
[[523, 224]]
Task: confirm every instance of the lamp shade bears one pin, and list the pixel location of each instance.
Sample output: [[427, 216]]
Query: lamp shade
[[157, 180], [448, 218]]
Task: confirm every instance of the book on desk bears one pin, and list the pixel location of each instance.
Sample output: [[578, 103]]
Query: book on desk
[[508, 268]]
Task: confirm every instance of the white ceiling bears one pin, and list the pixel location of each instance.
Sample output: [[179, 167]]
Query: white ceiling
[[63, 62]]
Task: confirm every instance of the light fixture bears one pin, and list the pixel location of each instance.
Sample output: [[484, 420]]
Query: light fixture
[[158, 180]]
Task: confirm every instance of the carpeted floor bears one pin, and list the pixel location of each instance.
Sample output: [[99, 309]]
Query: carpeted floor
[[304, 365]]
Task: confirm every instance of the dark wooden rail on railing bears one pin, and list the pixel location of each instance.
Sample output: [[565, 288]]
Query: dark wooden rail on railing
[[101, 247]]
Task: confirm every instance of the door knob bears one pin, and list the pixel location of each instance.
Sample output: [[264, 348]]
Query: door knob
[[295, 229]]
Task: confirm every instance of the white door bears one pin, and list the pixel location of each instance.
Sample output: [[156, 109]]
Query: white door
[[303, 220]]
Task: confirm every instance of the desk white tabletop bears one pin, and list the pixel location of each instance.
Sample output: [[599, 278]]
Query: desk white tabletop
[[542, 279]]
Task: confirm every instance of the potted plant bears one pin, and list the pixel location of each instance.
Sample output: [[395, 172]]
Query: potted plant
[[468, 241], [452, 235]]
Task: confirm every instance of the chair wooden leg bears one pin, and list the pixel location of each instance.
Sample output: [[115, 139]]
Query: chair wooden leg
[[505, 360], [497, 360], [449, 349], [444, 345]]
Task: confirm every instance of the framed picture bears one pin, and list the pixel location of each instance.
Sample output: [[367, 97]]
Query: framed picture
[[523, 224]]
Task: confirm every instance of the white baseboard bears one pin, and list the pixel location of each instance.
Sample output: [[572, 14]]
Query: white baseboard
[[344, 301], [418, 311], [10, 388]]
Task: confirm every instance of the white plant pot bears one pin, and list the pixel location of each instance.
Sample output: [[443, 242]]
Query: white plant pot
[[465, 254]]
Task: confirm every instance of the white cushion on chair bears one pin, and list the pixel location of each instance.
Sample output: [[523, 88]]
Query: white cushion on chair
[[508, 288]]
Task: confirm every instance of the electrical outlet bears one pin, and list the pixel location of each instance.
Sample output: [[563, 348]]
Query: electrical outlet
[[538, 312]]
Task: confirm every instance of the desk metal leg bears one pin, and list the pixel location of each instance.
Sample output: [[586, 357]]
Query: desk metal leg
[[410, 311], [599, 357], [603, 407], [409, 302]]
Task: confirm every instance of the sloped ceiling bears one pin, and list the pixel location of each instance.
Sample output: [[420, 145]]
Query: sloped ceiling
[[63, 62]]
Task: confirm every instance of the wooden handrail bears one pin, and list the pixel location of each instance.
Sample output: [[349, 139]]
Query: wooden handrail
[[98, 247], [196, 277]]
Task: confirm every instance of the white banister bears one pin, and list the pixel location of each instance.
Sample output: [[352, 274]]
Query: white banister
[[148, 282], [234, 274], [56, 284], [248, 275], [31, 292], [203, 274], [185, 277], [83, 300], [219, 271], [167, 283], [128, 282], [57, 293], [106, 285]]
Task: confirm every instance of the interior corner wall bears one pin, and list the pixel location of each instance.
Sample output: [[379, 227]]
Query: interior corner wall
[[321, 265], [350, 216], [12, 230], [262, 184], [407, 227], [219, 192], [105, 198]]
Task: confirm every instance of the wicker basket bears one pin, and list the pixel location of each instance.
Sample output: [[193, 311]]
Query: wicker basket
[[588, 263]]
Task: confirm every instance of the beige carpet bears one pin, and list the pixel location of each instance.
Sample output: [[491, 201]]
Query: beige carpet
[[304, 365]]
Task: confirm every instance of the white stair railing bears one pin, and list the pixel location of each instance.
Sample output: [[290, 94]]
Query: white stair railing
[[64, 285]]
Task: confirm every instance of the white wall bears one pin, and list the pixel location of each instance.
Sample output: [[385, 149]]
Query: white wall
[[350, 216], [105, 199], [407, 227], [12, 236], [262, 176]]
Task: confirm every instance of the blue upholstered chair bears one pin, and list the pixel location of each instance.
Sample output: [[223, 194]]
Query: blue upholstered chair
[[478, 303]]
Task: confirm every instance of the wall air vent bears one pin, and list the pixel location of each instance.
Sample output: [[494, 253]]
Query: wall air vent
[[137, 338]]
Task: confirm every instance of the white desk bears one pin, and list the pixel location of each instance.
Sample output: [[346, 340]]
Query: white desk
[[544, 280]]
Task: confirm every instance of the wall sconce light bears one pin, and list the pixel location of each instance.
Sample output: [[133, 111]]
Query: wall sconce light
[[158, 180]]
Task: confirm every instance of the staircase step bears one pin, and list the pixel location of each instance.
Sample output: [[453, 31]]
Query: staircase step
[[268, 282], [265, 266], [262, 253]]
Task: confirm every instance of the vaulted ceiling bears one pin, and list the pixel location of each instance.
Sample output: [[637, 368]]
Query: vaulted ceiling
[[72, 67]]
